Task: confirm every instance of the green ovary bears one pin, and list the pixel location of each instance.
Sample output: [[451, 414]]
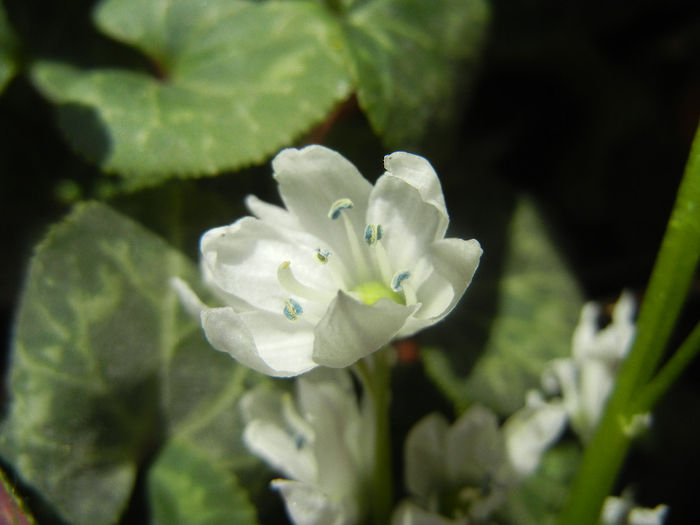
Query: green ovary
[[371, 291]]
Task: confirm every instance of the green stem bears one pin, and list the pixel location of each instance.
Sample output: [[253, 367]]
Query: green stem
[[663, 380], [668, 286], [375, 374]]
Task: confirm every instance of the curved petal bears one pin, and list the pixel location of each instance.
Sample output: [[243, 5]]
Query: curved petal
[[532, 430], [351, 329], [474, 447], [450, 266], [456, 260], [266, 342], [242, 259], [277, 448], [188, 298], [310, 181], [424, 453], [419, 173], [332, 410], [274, 215], [409, 223], [308, 505]]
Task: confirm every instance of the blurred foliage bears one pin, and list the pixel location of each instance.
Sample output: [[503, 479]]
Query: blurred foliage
[[187, 487], [537, 302], [7, 50]]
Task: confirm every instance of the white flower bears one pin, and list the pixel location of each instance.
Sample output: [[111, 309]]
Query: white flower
[[466, 470], [340, 272], [585, 380], [459, 471], [324, 446], [621, 511]]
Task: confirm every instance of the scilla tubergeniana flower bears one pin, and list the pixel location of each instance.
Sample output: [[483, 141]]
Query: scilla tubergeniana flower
[[339, 273], [585, 380], [322, 442], [461, 474]]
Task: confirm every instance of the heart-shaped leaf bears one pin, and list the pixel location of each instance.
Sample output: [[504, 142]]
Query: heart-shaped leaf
[[409, 56], [187, 487], [106, 367], [234, 82]]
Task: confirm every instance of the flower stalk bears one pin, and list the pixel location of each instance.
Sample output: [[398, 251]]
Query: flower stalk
[[668, 286], [374, 373]]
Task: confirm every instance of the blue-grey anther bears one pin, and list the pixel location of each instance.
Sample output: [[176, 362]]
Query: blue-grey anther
[[373, 233], [292, 309], [322, 256], [399, 278], [338, 206]]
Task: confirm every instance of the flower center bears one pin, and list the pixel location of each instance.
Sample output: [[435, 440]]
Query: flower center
[[369, 265], [371, 291]]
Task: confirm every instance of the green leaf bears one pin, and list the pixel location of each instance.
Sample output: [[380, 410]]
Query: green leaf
[[234, 82], [106, 366], [8, 43], [537, 307], [408, 55], [187, 487]]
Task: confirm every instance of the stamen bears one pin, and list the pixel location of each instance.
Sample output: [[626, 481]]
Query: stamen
[[292, 285], [373, 233], [338, 206], [399, 278], [322, 256], [292, 309], [373, 236]]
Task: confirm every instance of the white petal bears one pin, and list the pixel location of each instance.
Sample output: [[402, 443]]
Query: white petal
[[614, 511], [530, 431], [278, 449], [261, 402], [309, 505], [643, 516], [351, 329], [584, 338], [454, 261], [408, 513], [425, 456], [561, 377], [474, 447], [409, 224], [310, 181], [419, 173], [596, 381], [188, 298], [243, 259], [616, 339], [331, 410], [274, 215], [266, 342]]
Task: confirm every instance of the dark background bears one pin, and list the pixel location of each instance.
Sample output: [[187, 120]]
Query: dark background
[[588, 106]]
